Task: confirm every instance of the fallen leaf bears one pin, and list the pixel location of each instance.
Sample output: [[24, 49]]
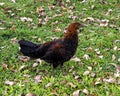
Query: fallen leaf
[[101, 56], [40, 9], [76, 59], [117, 74], [14, 40], [89, 67], [30, 94], [119, 82], [110, 80], [108, 12], [63, 82], [97, 83], [24, 58], [113, 57], [5, 66], [13, 1], [48, 85], [8, 82], [104, 22], [76, 93], [35, 64], [1, 3], [2, 28], [38, 78], [92, 74], [85, 91], [115, 48], [71, 85], [86, 73], [25, 19], [119, 60], [86, 57], [26, 75]]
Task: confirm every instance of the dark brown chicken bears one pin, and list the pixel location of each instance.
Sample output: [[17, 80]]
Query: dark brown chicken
[[55, 52]]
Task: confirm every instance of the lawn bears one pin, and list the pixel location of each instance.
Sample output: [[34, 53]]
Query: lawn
[[93, 71]]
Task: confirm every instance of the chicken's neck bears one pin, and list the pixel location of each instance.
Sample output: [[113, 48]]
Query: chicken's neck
[[71, 37]]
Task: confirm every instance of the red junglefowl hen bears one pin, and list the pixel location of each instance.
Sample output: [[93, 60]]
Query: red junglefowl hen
[[55, 52]]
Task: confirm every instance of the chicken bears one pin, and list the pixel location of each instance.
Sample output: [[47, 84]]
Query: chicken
[[55, 52]]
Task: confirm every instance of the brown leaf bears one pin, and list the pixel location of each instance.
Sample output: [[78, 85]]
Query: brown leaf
[[85, 91], [5, 66], [48, 85], [8, 82], [1, 3], [108, 12], [110, 80], [76, 93], [86, 57], [76, 59], [35, 64], [104, 22], [30, 94], [119, 60], [63, 82], [113, 57], [89, 67], [86, 73], [24, 58], [26, 19], [92, 74], [14, 40], [38, 78], [13, 1], [119, 82], [71, 85]]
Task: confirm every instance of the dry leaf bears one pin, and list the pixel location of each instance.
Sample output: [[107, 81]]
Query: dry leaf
[[86, 73], [41, 9], [86, 57], [26, 75], [97, 83], [113, 57], [71, 85], [25, 19], [117, 74], [108, 12], [38, 78], [119, 82], [115, 48], [2, 28], [93, 74], [101, 56], [5, 66], [1, 3], [89, 67], [13, 1], [30, 94], [76, 93], [24, 58], [76, 59], [14, 40], [35, 64], [85, 91], [48, 85], [9, 82], [110, 80], [119, 60], [104, 22]]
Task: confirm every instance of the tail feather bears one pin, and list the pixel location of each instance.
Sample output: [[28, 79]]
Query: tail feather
[[28, 48]]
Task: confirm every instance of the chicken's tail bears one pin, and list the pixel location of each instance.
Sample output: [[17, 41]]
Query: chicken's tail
[[28, 48]]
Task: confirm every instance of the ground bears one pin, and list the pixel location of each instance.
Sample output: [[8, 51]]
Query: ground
[[95, 68]]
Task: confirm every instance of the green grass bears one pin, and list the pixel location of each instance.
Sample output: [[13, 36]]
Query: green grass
[[92, 37]]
